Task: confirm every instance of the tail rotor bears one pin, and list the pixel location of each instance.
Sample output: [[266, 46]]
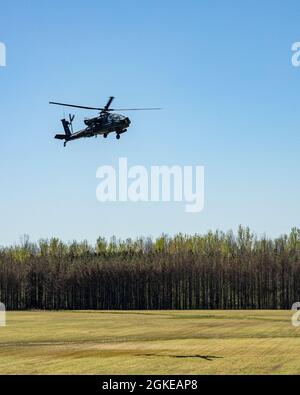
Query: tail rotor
[[71, 119]]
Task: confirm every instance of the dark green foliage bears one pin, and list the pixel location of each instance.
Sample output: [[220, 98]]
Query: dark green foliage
[[214, 271]]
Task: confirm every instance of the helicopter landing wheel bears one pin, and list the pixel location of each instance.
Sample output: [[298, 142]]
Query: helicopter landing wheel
[[65, 143], [118, 136], [105, 135]]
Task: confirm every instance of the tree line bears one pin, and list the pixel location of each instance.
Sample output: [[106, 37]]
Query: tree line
[[213, 271]]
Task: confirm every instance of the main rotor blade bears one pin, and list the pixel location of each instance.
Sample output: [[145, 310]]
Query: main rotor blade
[[134, 109], [73, 105], [108, 103], [105, 109]]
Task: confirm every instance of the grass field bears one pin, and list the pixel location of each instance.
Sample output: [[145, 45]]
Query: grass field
[[148, 342]]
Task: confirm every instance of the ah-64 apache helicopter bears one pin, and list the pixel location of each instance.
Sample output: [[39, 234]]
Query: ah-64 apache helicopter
[[106, 122]]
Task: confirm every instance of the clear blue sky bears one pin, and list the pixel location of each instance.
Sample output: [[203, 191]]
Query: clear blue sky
[[222, 72]]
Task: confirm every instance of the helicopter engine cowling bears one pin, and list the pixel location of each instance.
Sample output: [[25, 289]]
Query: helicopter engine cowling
[[91, 121], [88, 122]]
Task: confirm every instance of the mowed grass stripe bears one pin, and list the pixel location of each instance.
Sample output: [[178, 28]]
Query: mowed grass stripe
[[137, 342]]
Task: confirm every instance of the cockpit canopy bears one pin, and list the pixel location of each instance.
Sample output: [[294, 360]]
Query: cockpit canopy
[[116, 117], [106, 118]]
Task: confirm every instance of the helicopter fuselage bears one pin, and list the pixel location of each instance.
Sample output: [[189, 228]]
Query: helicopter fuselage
[[101, 125], [107, 122]]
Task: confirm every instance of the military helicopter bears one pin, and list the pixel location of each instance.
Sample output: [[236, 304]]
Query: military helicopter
[[106, 122]]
